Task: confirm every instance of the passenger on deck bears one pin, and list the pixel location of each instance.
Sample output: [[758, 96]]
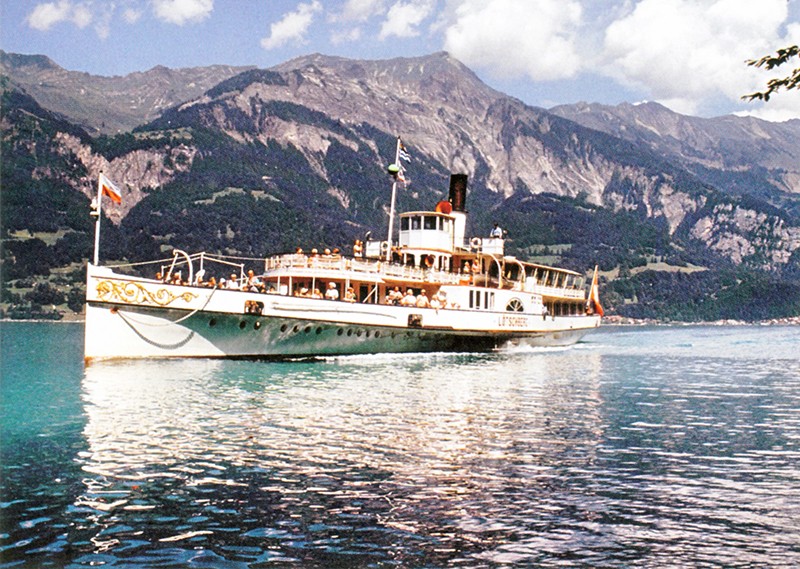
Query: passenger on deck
[[422, 300], [350, 295], [497, 232], [358, 248], [436, 301], [395, 296], [233, 282], [316, 293], [332, 293], [253, 282], [409, 299]]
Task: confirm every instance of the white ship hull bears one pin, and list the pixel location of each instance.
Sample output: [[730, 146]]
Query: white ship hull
[[136, 318]]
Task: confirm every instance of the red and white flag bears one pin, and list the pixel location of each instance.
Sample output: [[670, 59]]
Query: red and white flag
[[110, 189], [594, 296]]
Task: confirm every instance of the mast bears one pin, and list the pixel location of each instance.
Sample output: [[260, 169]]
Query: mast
[[391, 209], [96, 211]]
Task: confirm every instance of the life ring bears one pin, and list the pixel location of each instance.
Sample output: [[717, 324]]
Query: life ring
[[475, 242], [384, 246]]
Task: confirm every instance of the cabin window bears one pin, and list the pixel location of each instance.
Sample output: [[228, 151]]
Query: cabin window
[[515, 305], [404, 224], [474, 299], [429, 222], [415, 222]]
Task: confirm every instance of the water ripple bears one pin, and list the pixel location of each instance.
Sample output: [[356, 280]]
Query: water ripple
[[645, 450]]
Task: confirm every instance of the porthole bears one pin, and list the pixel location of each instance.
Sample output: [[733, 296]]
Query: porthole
[[349, 331], [308, 329], [212, 322], [340, 331], [319, 329], [256, 325], [242, 324], [359, 333], [296, 329], [377, 333], [284, 327]]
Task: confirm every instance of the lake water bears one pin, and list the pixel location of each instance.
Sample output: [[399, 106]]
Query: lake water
[[647, 447]]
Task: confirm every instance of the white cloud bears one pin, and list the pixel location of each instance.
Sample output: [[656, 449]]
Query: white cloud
[[45, 15], [404, 18], [292, 27], [345, 36], [182, 11], [510, 39], [103, 21], [131, 15], [684, 52], [360, 10]]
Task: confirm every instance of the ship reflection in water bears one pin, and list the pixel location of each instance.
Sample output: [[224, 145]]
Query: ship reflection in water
[[365, 458]]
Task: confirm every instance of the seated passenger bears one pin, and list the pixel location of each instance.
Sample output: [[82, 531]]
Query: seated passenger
[[316, 293], [350, 295], [436, 301], [332, 293], [394, 296], [422, 300], [409, 299]]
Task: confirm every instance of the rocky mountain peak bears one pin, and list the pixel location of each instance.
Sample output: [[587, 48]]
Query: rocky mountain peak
[[16, 61]]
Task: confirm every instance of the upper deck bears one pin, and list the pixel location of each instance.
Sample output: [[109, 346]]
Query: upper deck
[[535, 279]]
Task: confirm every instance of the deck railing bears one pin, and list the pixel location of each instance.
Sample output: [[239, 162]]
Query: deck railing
[[374, 267]]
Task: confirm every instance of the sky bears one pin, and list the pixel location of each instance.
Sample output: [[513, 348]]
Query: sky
[[688, 55]]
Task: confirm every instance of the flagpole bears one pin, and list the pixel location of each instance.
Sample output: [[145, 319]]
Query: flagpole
[[391, 209], [98, 212]]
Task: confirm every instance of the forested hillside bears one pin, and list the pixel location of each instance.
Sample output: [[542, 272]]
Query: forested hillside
[[274, 159]]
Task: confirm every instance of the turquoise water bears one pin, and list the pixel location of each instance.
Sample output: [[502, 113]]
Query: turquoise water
[[645, 447]]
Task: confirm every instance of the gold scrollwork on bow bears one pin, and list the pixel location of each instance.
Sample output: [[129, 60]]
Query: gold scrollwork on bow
[[134, 293]]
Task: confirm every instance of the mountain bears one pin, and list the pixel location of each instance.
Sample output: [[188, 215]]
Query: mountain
[[740, 155], [266, 160], [109, 104]]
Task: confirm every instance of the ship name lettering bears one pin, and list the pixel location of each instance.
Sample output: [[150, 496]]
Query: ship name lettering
[[508, 321]]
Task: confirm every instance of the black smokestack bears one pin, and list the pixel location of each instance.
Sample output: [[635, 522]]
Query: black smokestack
[[458, 191]]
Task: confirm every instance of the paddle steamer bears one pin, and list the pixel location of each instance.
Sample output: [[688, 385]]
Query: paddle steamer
[[476, 298]]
